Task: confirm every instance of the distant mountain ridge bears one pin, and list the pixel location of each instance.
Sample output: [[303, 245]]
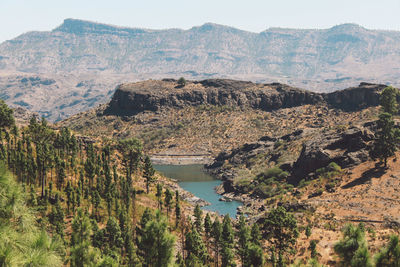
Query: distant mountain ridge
[[316, 59], [78, 45]]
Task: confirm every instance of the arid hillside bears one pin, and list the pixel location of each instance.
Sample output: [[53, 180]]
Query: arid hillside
[[77, 65], [211, 116]]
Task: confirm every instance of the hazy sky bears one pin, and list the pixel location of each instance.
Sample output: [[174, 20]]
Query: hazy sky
[[19, 16]]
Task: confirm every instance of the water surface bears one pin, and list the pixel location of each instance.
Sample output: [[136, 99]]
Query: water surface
[[192, 178]]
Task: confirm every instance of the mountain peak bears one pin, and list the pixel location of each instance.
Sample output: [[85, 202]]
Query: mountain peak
[[78, 26], [209, 26], [348, 27]]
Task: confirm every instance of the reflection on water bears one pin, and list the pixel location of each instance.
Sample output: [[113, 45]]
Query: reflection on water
[[192, 178]]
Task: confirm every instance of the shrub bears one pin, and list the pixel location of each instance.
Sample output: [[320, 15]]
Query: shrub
[[334, 167], [182, 82], [276, 173], [303, 183], [329, 171]]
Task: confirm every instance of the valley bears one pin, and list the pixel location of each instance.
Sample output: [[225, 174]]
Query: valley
[[311, 156], [272, 147]]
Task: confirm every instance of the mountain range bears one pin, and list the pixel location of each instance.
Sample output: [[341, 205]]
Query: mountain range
[[78, 64]]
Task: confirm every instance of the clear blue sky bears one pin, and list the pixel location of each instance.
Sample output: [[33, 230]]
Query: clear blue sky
[[19, 16]]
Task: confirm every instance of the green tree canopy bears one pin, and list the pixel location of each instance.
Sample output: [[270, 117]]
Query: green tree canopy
[[6, 115], [195, 247], [352, 249], [156, 242], [280, 228], [390, 255], [182, 82], [148, 172], [22, 243], [387, 138], [389, 100], [131, 150]]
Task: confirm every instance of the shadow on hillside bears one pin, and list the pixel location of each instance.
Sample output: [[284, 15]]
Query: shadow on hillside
[[366, 176]]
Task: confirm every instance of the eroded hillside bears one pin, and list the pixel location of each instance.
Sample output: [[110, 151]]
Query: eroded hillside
[[211, 116]]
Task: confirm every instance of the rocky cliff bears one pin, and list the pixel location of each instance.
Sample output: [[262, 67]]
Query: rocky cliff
[[133, 98], [355, 98]]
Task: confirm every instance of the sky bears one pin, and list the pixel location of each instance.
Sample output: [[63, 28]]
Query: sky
[[20, 16]]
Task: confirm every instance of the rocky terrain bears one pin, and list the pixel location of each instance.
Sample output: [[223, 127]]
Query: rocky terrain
[[302, 154], [77, 65], [209, 116]]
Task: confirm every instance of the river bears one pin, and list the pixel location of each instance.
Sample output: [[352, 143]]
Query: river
[[192, 178]]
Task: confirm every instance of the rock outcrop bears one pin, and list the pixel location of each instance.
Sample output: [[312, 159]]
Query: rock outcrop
[[243, 155], [346, 149], [355, 98], [133, 98]]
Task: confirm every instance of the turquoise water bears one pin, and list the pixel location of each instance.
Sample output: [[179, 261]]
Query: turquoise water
[[192, 178]]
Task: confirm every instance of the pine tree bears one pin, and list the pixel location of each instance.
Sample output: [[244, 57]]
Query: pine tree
[[243, 236], [255, 235], [196, 251], [109, 200], [90, 168], [114, 235], [388, 100], [390, 255], [56, 218], [68, 191], [41, 135], [61, 175], [255, 256], [96, 199], [168, 201], [313, 248], [6, 116], [22, 242], [387, 139], [81, 252], [308, 231], [131, 150], [207, 230], [352, 249], [217, 234], [227, 256], [280, 228], [156, 243], [73, 200], [198, 215], [181, 82], [147, 216], [159, 195], [148, 172], [177, 208]]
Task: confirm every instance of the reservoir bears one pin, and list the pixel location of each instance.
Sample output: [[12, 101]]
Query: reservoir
[[192, 178]]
